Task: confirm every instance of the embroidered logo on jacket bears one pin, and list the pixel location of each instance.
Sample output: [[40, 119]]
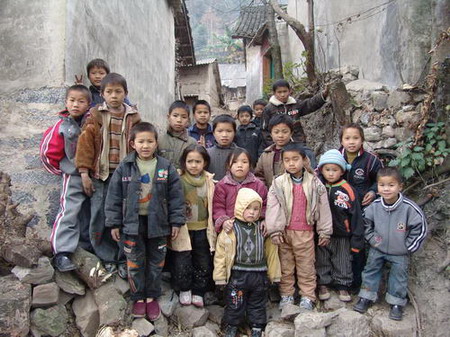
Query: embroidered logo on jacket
[[342, 200], [401, 227], [126, 178], [162, 174], [293, 112]]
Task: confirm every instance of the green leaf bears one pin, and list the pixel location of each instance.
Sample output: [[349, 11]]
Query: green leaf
[[442, 144], [418, 148], [408, 172], [405, 161], [394, 163], [428, 147], [417, 156]]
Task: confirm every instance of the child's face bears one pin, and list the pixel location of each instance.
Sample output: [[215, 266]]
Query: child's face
[[178, 119], [202, 115], [96, 75], [244, 118], [251, 213], [351, 140], [389, 188], [281, 135], [114, 95], [224, 134], [282, 94], [145, 145], [240, 168], [77, 103], [195, 164], [293, 163], [258, 110], [332, 173]]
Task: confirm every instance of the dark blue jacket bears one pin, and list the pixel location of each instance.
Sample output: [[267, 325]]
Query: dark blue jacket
[[249, 137], [98, 99], [209, 137], [166, 206]]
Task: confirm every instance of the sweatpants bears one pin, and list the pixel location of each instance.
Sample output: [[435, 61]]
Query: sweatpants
[[145, 262], [246, 296], [333, 265], [192, 270], [297, 255], [72, 219]]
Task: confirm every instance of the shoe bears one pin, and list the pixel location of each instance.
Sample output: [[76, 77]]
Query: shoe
[[324, 294], [153, 310], [63, 263], [396, 313], [139, 309], [185, 297], [122, 270], [198, 301], [111, 268], [306, 303], [362, 305], [344, 296], [256, 332], [285, 300], [231, 331]]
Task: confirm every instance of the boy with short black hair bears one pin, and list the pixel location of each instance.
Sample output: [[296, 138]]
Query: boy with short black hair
[[258, 108], [103, 143], [395, 227], [201, 131], [282, 102], [57, 153], [248, 135], [172, 143]]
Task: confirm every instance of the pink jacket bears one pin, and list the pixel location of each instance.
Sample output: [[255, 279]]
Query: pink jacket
[[225, 195]]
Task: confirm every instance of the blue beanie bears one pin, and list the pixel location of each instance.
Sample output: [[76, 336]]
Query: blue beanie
[[334, 157]]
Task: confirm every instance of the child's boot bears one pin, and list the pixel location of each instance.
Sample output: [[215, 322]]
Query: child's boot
[[63, 263], [256, 332], [324, 293], [231, 331], [362, 305], [396, 313], [185, 297], [344, 296], [197, 301]]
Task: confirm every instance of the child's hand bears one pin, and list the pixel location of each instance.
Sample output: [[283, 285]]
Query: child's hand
[[324, 242], [368, 198], [78, 79], [202, 141], [277, 240], [263, 228], [115, 233], [175, 231], [88, 186], [227, 225]]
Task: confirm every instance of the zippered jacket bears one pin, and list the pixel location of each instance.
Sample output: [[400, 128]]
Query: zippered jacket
[[397, 229], [249, 137], [209, 137]]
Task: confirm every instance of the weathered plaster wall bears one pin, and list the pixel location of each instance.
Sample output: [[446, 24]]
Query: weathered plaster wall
[[254, 73]]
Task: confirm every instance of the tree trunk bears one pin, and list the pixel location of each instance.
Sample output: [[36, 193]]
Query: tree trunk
[[274, 43]]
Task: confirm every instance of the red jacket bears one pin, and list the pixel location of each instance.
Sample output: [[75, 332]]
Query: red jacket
[[225, 195]]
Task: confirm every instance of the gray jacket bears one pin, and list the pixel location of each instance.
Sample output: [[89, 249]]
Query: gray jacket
[[398, 229]]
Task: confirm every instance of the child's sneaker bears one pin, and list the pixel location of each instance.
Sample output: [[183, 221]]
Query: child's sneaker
[[197, 301], [122, 271], [285, 300], [306, 303], [63, 262], [396, 313], [231, 331], [344, 296], [324, 293], [185, 297], [111, 268], [139, 309], [362, 305], [256, 332], [153, 310]]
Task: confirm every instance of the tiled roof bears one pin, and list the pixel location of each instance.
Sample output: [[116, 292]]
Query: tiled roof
[[233, 75], [251, 20]]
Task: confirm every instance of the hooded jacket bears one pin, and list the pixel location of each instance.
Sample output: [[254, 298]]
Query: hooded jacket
[[224, 257], [209, 136], [397, 229], [171, 145], [249, 137]]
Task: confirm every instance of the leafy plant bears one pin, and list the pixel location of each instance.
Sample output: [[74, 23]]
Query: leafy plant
[[418, 158], [292, 73]]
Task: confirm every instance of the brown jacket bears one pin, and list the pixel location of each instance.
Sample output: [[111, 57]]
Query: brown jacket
[[265, 169], [91, 144]]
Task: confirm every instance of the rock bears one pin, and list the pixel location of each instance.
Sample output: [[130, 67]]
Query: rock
[[111, 305], [69, 283], [280, 329], [142, 326], [215, 313], [89, 268], [168, 302], [202, 331], [15, 302], [385, 144], [372, 134], [403, 134], [379, 100], [190, 316], [397, 99], [313, 324], [418, 97], [349, 323], [407, 108], [273, 313], [45, 295], [290, 311], [121, 285], [64, 297], [333, 303], [362, 84], [388, 131], [86, 314], [51, 321], [107, 331], [210, 298], [161, 326], [356, 115], [40, 274], [365, 118], [213, 327], [382, 325], [20, 253]]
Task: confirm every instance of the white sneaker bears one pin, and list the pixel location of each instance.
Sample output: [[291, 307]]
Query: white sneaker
[[185, 297], [285, 300], [306, 303], [197, 301]]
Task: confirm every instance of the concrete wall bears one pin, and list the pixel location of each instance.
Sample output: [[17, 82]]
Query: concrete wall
[[254, 73]]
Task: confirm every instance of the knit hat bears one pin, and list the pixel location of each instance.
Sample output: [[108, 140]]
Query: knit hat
[[334, 157], [244, 198]]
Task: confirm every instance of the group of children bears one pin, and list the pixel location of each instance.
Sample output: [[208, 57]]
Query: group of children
[[194, 190]]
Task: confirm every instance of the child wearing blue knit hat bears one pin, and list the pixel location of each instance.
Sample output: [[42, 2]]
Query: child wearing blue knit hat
[[333, 264]]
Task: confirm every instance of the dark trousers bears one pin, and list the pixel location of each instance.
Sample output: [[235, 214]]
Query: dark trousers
[[246, 293], [192, 270], [358, 264], [145, 261]]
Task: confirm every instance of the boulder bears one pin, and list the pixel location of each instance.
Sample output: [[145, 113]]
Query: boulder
[[333, 303], [365, 118], [142, 326], [18, 252], [86, 314], [388, 131], [15, 302], [40, 274], [45, 295], [397, 99], [314, 324], [379, 100], [121, 285], [385, 143], [372, 134], [202, 331], [168, 302], [403, 133], [280, 329], [215, 313], [190, 316], [89, 268], [213, 327], [349, 323], [64, 297], [382, 325], [52, 321], [111, 305], [362, 84], [290, 311], [69, 283], [161, 326]]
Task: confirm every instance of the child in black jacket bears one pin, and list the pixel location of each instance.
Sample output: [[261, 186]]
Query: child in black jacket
[[248, 135]]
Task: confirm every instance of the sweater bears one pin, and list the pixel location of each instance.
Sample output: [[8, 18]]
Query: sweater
[[218, 159]]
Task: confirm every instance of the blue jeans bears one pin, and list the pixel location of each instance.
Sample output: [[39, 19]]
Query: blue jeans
[[398, 277]]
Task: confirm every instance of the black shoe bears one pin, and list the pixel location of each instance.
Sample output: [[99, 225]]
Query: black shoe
[[231, 331], [396, 313], [111, 268], [122, 271], [63, 263], [362, 305], [256, 332]]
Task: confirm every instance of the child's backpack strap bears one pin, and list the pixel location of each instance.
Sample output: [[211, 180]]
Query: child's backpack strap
[[51, 149]]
